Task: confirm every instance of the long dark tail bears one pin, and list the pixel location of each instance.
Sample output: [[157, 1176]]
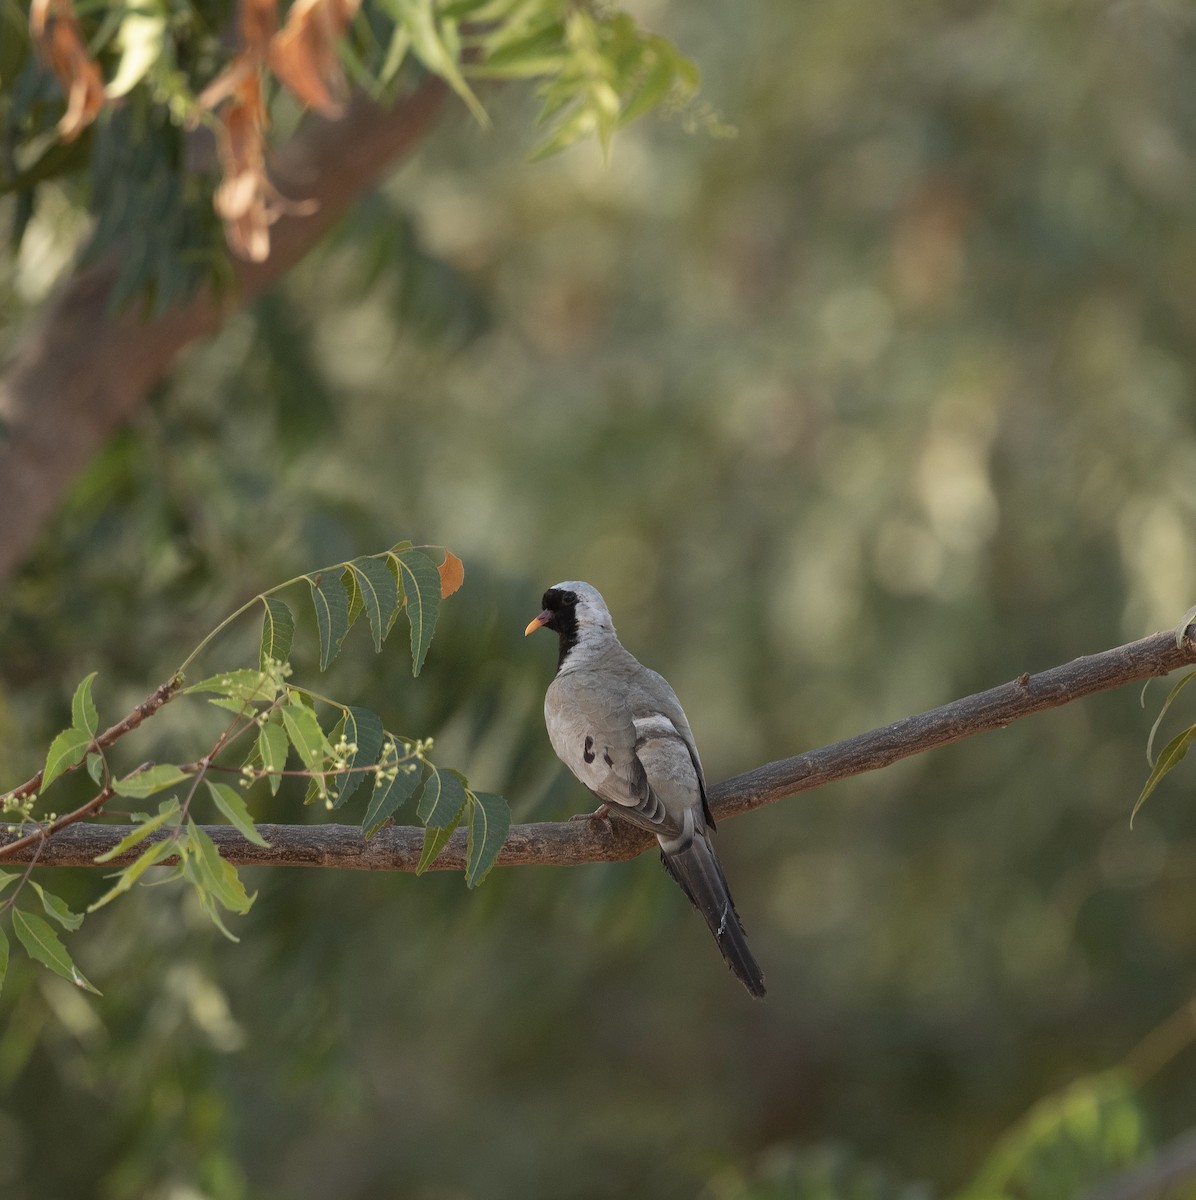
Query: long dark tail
[[697, 870]]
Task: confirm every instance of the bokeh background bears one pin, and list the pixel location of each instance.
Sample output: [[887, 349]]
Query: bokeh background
[[869, 388]]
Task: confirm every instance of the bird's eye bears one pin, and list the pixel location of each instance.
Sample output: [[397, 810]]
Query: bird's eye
[[552, 600]]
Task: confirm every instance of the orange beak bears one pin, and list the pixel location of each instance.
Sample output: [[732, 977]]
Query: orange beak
[[536, 622]]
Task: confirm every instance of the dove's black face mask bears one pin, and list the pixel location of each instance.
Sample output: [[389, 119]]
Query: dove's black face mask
[[563, 606]]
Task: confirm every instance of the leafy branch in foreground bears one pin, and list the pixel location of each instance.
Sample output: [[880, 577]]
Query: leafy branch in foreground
[[135, 79], [1071, 1141], [273, 722]]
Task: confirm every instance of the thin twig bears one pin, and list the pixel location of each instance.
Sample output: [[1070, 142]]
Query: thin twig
[[113, 733], [398, 848], [11, 851], [16, 891]]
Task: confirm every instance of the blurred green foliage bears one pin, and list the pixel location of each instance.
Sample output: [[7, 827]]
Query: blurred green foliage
[[880, 402]]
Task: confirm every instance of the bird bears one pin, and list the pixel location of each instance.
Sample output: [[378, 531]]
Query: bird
[[619, 727]]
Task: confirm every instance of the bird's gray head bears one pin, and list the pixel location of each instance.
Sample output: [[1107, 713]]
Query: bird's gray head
[[577, 613]]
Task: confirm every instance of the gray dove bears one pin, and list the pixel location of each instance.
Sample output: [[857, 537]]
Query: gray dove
[[619, 728]]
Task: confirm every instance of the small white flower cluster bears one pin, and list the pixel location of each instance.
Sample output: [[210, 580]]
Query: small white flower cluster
[[276, 671], [387, 767], [18, 811], [342, 755], [272, 685]]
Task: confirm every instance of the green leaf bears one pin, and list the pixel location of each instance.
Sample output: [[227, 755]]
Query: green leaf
[[657, 82], [1172, 755], [273, 747], [84, 716], [1068, 1142], [443, 798], [140, 37], [1175, 691], [65, 751], [42, 944], [429, 42], [306, 735], [142, 830], [209, 906], [57, 908], [169, 874], [579, 123], [155, 779], [396, 52], [95, 768], [7, 878], [3, 957], [388, 796], [332, 614], [489, 821], [278, 632], [244, 686], [229, 801], [215, 876], [379, 594], [353, 592], [364, 728], [434, 841], [238, 707], [537, 54], [125, 879], [421, 589]]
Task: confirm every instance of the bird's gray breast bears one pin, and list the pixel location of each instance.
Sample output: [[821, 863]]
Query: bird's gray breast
[[592, 732]]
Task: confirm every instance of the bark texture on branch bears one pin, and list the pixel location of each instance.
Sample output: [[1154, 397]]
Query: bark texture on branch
[[82, 371], [569, 843], [1158, 654]]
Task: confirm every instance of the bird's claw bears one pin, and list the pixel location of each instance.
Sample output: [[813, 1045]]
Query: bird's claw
[[601, 813]]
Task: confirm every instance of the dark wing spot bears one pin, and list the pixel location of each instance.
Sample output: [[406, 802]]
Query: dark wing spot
[[606, 758], [588, 753]]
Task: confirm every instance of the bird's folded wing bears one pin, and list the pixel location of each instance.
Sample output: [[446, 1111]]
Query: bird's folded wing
[[673, 780], [651, 778]]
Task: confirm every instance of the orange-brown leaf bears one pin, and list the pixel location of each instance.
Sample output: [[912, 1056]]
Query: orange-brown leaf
[[243, 198], [259, 23], [452, 573], [246, 201], [228, 81], [55, 30], [304, 54]]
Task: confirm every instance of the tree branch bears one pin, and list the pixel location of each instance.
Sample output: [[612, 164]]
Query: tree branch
[[84, 370], [1158, 654], [569, 843]]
